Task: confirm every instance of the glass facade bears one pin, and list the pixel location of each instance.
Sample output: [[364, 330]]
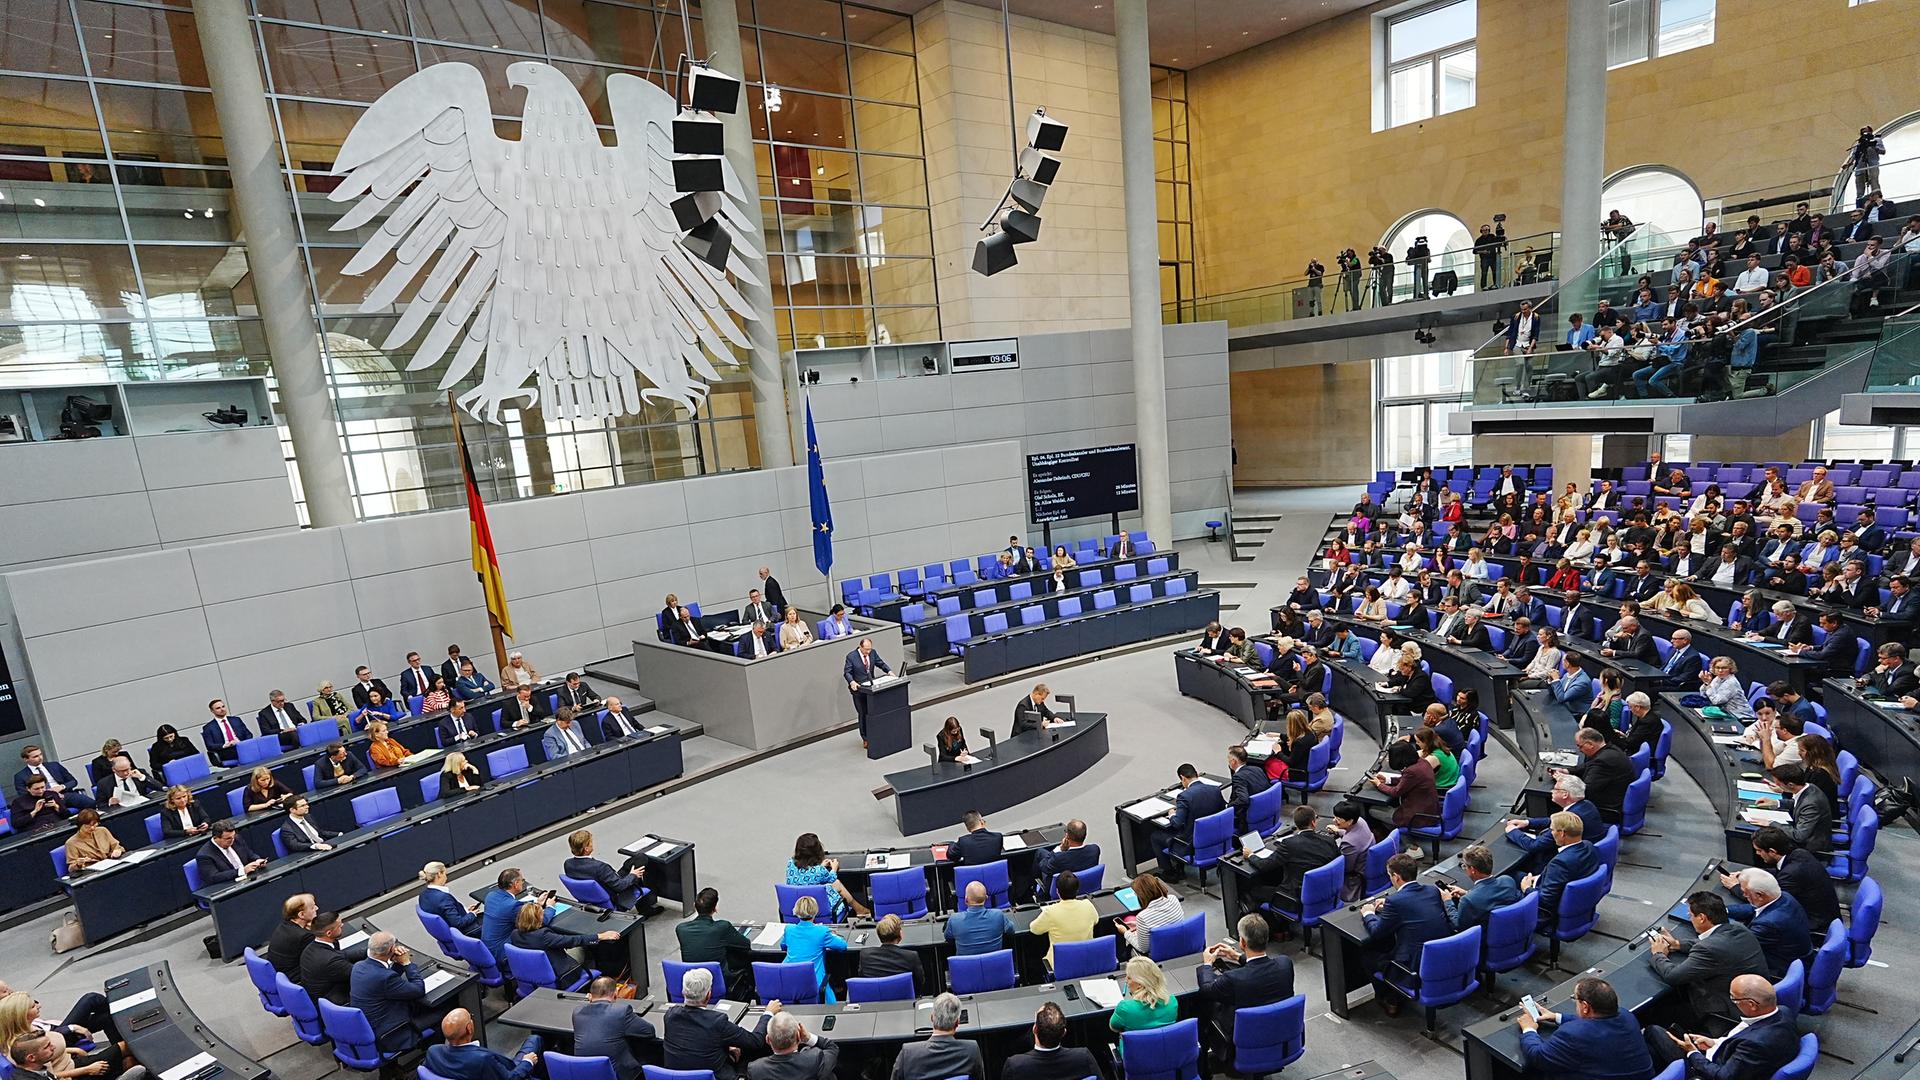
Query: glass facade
[[1173, 187], [118, 245]]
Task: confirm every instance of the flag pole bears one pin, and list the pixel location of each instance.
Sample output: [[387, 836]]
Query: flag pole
[[472, 491]]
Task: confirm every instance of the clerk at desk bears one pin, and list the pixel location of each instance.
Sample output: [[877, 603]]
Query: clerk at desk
[[1032, 714]]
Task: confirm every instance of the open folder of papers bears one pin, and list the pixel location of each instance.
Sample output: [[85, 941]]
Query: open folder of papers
[[1147, 809], [770, 935], [1102, 992]]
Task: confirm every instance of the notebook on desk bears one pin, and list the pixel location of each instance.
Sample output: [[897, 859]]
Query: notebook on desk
[[1127, 898]]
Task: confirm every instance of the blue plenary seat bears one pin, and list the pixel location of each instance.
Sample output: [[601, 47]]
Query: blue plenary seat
[[899, 892], [1268, 1038], [891, 988], [258, 748], [1449, 973], [795, 982], [1104, 600], [1126, 572], [992, 875], [1165, 1053], [507, 762], [981, 972], [675, 971], [1083, 959], [376, 807], [787, 895]]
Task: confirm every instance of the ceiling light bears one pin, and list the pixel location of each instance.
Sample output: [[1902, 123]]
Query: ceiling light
[[1244, 33], [820, 171], [208, 212], [23, 255], [772, 98], [188, 214], [39, 202]]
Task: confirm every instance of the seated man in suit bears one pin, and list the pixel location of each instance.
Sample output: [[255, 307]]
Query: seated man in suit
[[279, 718], [1598, 1042], [472, 683], [437, 899], [326, 970], [564, 737], [1682, 667], [1838, 652], [1050, 1059], [944, 1054], [1778, 921], [623, 885], [577, 693], [1570, 795], [1242, 978], [220, 734], [300, 833], [524, 708], [1630, 640], [336, 766], [1702, 968], [225, 856], [1467, 908], [891, 957], [458, 725], [608, 1027], [705, 939], [759, 643], [684, 629], [1521, 644], [1810, 813], [758, 610], [1300, 849], [616, 722], [289, 939], [1248, 781], [1606, 769], [392, 993], [977, 928], [460, 1058], [1800, 874], [125, 785], [454, 665], [1197, 799], [794, 1053], [416, 680], [364, 684], [1760, 1045], [1213, 639], [1401, 923], [978, 844], [1072, 853], [1891, 675], [1573, 859], [697, 1037], [1031, 712]]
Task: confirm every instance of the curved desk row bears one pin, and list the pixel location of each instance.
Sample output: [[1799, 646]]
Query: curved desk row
[[448, 984], [1020, 849], [1757, 661], [165, 1035], [938, 795], [1041, 581], [1884, 736], [1228, 685], [930, 634], [1023, 647], [365, 862], [1487, 674], [573, 917], [26, 868], [1137, 819]]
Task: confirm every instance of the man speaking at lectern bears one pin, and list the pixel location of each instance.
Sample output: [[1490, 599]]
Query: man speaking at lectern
[[862, 663]]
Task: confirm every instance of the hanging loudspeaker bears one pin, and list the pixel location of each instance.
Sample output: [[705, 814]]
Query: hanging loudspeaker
[[993, 254], [695, 209], [1022, 226], [1044, 132], [1029, 194], [715, 91], [700, 173], [1038, 166], [709, 243], [696, 134]]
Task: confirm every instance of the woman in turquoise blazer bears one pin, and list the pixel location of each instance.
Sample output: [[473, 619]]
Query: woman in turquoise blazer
[[808, 942]]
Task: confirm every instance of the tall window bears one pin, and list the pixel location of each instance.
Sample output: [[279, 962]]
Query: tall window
[[1899, 166], [1173, 189], [1663, 203], [1415, 395], [1643, 29], [1447, 237], [1432, 64]]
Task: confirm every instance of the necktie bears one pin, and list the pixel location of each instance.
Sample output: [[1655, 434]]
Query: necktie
[[573, 740], [232, 856], [459, 726], [307, 828], [620, 718], [126, 786], [228, 729]]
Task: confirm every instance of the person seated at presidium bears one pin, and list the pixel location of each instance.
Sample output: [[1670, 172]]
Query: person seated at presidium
[[794, 631]]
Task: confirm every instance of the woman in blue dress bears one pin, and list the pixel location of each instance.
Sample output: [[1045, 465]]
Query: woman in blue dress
[[808, 942], [810, 866]]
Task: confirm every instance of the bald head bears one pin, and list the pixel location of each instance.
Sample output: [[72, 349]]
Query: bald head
[[1753, 994], [457, 1027], [976, 894]]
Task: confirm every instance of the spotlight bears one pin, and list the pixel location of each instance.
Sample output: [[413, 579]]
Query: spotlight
[[772, 99], [232, 414], [1044, 132], [992, 254], [714, 91]]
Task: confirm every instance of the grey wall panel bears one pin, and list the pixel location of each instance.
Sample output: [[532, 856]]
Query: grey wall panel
[[266, 623], [391, 599], [849, 437], [990, 422], [555, 656], [907, 510], [638, 553], [96, 525], [80, 722], [217, 511], [619, 511], [638, 599], [113, 590], [738, 537], [723, 584], [298, 670], [925, 393], [243, 568], [536, 523], [556, 615], [546, 570], [1200, 403], [916, 430], [212, 457], [1193, 434], [1057, 385], [841, 401], [386, 646], [47, 471], [909, 547], [407, 543], [972, 502], [973, 389], [120, 653], [710, 498]]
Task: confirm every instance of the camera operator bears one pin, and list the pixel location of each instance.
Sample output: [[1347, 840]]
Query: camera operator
[[1381, 260], [1418, 257], [1316, 280], [1864, 160], [1487, 246], [1616, 228], [1349, 261]]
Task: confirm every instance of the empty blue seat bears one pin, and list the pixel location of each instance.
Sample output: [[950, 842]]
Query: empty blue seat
[[317, 732], [899, 892], [984, 598], [301, 1010], [883, 582], [1034, 614], [1139, 594], [1164, 1053], [507, 762], [376, 806], [947, 605], [261, 974], [258, 748], [1020, 590], [994, 623], [891, 988], [981, 972], [1158, 566], [1509, 941], [910, 582], [1176, 586], [1125, 572], [959, 630], [796, 983], [1184, 938], [354, 1043], [1104, 600], [187, 769], [1081, 959], [1268, 1038], [1089, 578], [568, 1067], [1069, 607], [1448, 973], [962, 578]]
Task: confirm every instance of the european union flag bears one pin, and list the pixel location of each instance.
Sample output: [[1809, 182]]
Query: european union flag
[[817, 498]]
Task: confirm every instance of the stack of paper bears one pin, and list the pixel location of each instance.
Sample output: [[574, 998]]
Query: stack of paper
[[643, 843], [131, 1000], [1149, 808], [1260, 747], [1102, 992], [1012, 842], [662, 849], [348, 941], [140, 855], [769, 937], [439, 979], [659, 729], [1766, 817]]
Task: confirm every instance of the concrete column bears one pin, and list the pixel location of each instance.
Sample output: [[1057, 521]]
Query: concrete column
[[1583, 145], [273, 254], [1623, 451], [763, 359], [1143, 267]]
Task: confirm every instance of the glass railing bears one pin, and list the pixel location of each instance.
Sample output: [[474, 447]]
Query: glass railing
[[1896, 356], [1551, 376], [1524, 260], [1830, 194]]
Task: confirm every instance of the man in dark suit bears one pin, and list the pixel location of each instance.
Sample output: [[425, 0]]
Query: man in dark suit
[[1607, 770], [705, 939], [758, 643], [1310, 678], [1525, 603], [697, 1037], [1213, 639], [300, 833], [125, 785], [1247, 781], [684, 629], [771, 589], [391, 992], [1782, 622], [1729, 569], [1073, 853], [758, 609], [1049, 1059], [1800, 874], [1681, 669], [1776, 919], [364, 684], [1854, 588], [1573, 859], [1245, 978], [1702, 968], [1901, 610], [1629, 640], [944, 1054], [225, 856], [1760, 1045], [437, 899], [1522, 646], [1534, 834], [1031, 712], [577, 693], [616, 722], [891, 957], [1642, 585], [1472, 907], [472, 685], [978, 844], [623, 885], [289, 939], [326, 970], [523, 708], [863, 665], [1838, 652], [460, 1058], [416, 680], [1196, 799], [278, 718], [1598, 1042], [1810, 820], [458, 725], [608, 1027], [220, 734], [454, 665], [1891, 676], [794, 1053], [337, 766], [1302, 848], [1400, 924]]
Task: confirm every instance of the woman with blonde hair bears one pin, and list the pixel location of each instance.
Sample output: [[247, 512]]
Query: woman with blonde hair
[[1147, 1004], [457, 777], [20, 1015], [385, 750], [181, 814], [327, 703], [807, 942], [264, 791], [794, 631]]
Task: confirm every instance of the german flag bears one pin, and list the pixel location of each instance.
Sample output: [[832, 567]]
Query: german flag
[[486, 561]]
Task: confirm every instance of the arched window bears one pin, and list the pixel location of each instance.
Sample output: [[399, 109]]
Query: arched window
[[1448, 239], [1899, 166], [1663, 203]]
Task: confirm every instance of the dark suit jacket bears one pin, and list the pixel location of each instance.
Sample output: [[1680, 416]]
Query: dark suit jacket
[[1063, 1063], [1248, 781], [448, 907], [103, 790], [1474, 637], [707, 940], [1685, 666], [269, 724], [450, 732], [1706, 968], [1049, 862], [770, 589], [1811, 825], [1804, 877], [214, 739], [816, 1062], [297, 841], [609, 729], [1898, 682], [388, 996], [1262, 980], [1609, 1048], [938, 1058], [1029, 716], [1413, 915], [982, 845], [1760, 1051], [417, 686], [1638, 645], [884, 960], [510, 712], [170, 820], [578, 696], [361, 697], [1781, 930], [685, 633], [1569, 864], [1839, 651], [214, 867], [609, 1029], [1216, 643], [699, 1039], [1607, 774], [856, 671], [450, 669], [326, 972], [623, 888], [471, 1061], [1197, 800], [289, 940]]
